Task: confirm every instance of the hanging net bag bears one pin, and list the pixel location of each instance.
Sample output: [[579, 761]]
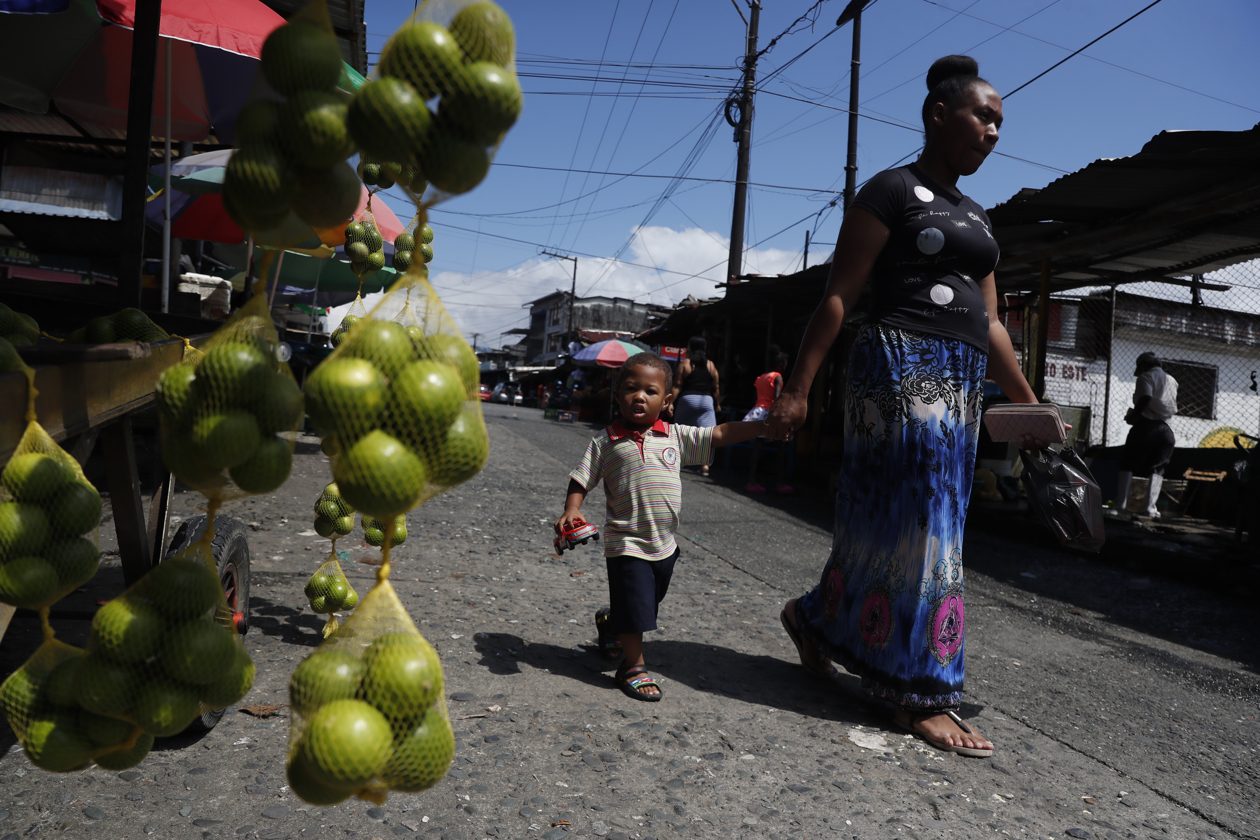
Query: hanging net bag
[[330, 592]]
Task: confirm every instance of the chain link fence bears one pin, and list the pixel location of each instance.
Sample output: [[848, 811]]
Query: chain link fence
[[1205, 329]]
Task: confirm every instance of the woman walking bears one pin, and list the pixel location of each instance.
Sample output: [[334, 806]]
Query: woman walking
[[889, 605], [697, 396]]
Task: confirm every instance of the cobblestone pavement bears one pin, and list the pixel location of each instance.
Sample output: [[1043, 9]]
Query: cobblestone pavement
[[1121, 707]]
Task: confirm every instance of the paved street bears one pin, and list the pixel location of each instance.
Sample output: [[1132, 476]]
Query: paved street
[[1121, 705]]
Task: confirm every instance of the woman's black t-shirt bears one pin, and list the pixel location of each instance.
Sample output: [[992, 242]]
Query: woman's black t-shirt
[[940, 247]]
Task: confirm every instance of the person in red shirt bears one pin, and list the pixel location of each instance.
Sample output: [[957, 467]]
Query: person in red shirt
[[769, 385]]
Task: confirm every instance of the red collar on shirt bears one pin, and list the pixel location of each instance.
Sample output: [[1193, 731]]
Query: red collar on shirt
[[617, 431]]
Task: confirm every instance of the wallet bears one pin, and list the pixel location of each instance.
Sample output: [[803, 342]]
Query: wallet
[[1008, 423]]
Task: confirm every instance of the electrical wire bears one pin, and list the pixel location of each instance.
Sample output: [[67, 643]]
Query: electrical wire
[[668, 177]]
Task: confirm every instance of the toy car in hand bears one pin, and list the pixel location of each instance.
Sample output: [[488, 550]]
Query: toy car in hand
[[580, 533]]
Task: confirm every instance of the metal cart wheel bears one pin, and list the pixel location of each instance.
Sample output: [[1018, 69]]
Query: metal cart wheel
[[231, 556]]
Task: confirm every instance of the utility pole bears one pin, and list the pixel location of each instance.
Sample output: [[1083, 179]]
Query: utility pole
[[853, 12], [743, 135], [572, 289]]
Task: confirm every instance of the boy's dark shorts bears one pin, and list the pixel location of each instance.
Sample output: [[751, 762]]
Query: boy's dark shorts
[[636, 588]]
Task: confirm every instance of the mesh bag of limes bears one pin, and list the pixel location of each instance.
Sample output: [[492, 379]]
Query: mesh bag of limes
[[397, 407], [445, 94]]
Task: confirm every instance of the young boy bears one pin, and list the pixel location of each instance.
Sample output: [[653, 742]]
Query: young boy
[[639, 458]]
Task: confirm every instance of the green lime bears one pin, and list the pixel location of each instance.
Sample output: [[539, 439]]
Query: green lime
[[383, 343], [402, 260], [183, 588], [127, 629], [485, 33], [302, 781], [266, 469], [105, 687], [421, 757], [18, 340], [464, 451], [337, 591], [453, 164], [279, 409], [343, 525], [233, 685], [313, 130], [235, 373], [404, 678], [103, 730], [330, 446], [375, 261], [255, 217], [320, 605], [426, 234], [199, 651], [8, 320], [123, 759], [75, 561], [175, 395], [484, 104], [410, 178], [380, 476], [325, 527], [22, 695], [425, 55], [257, 179], [355, 232], [373, 532], [357, 251], [332, 493], [75, 510], [54, 743], [351, 601], [423, 400], [426, 252], [325, 676], [257, 124], [317, 584], [453, 350], [165, 707], [404, 242], [132, 323], [389, 119], [11, 360], [29, 326], [181, 458], [61, 685], [226, 439], [301, 56], [28, 582], [326, 198], [368, 172], [34, 477], [329, 509], [375, 242], [347, 743], [344, 396], [24, 529]]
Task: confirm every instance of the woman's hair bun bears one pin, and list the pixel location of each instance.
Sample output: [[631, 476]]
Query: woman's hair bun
[[951, 65]]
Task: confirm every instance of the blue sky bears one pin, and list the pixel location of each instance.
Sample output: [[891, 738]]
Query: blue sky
[[668, 65]]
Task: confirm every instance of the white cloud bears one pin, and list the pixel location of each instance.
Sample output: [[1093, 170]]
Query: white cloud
[[690, 261]]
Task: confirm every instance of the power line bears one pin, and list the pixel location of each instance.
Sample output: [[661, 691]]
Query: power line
[[1082, 49], [668, 177]]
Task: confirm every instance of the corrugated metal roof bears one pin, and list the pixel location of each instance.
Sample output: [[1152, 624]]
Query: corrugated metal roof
[[347, 20], [1187, 203], [55, 192]]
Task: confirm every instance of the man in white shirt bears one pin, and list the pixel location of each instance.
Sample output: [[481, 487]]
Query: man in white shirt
[[1149, 445]]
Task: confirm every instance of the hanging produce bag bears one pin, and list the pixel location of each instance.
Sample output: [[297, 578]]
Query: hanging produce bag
[[229, 412], [369, 714], [330, 592], [40, 703], [333, 517], [49, 518]]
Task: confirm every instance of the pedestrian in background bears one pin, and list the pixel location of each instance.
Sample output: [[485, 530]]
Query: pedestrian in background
[[697, 395], [1149, 445], [769, 385], [638, 458], [889, 605]]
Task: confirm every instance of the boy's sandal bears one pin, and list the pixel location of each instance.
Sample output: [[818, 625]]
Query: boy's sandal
[[609, 645], [917, 717], [828, 672], [631, 679]]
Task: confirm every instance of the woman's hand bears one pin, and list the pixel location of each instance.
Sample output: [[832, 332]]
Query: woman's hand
[[1030, 442], [787, 415]]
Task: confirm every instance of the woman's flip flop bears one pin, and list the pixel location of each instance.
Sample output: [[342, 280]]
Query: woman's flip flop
[[631, 679], [917, 717], [828, 673]]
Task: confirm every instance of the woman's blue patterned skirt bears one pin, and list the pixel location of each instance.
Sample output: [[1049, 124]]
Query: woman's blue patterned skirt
[[889, 606]]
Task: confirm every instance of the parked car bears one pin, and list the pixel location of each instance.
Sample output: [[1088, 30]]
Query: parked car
[[485, 392], [507, 392]]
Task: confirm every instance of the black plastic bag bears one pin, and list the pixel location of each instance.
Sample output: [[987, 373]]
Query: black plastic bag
[[1065, 496]]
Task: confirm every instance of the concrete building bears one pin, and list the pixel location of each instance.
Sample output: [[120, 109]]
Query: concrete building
[[550, 331]]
